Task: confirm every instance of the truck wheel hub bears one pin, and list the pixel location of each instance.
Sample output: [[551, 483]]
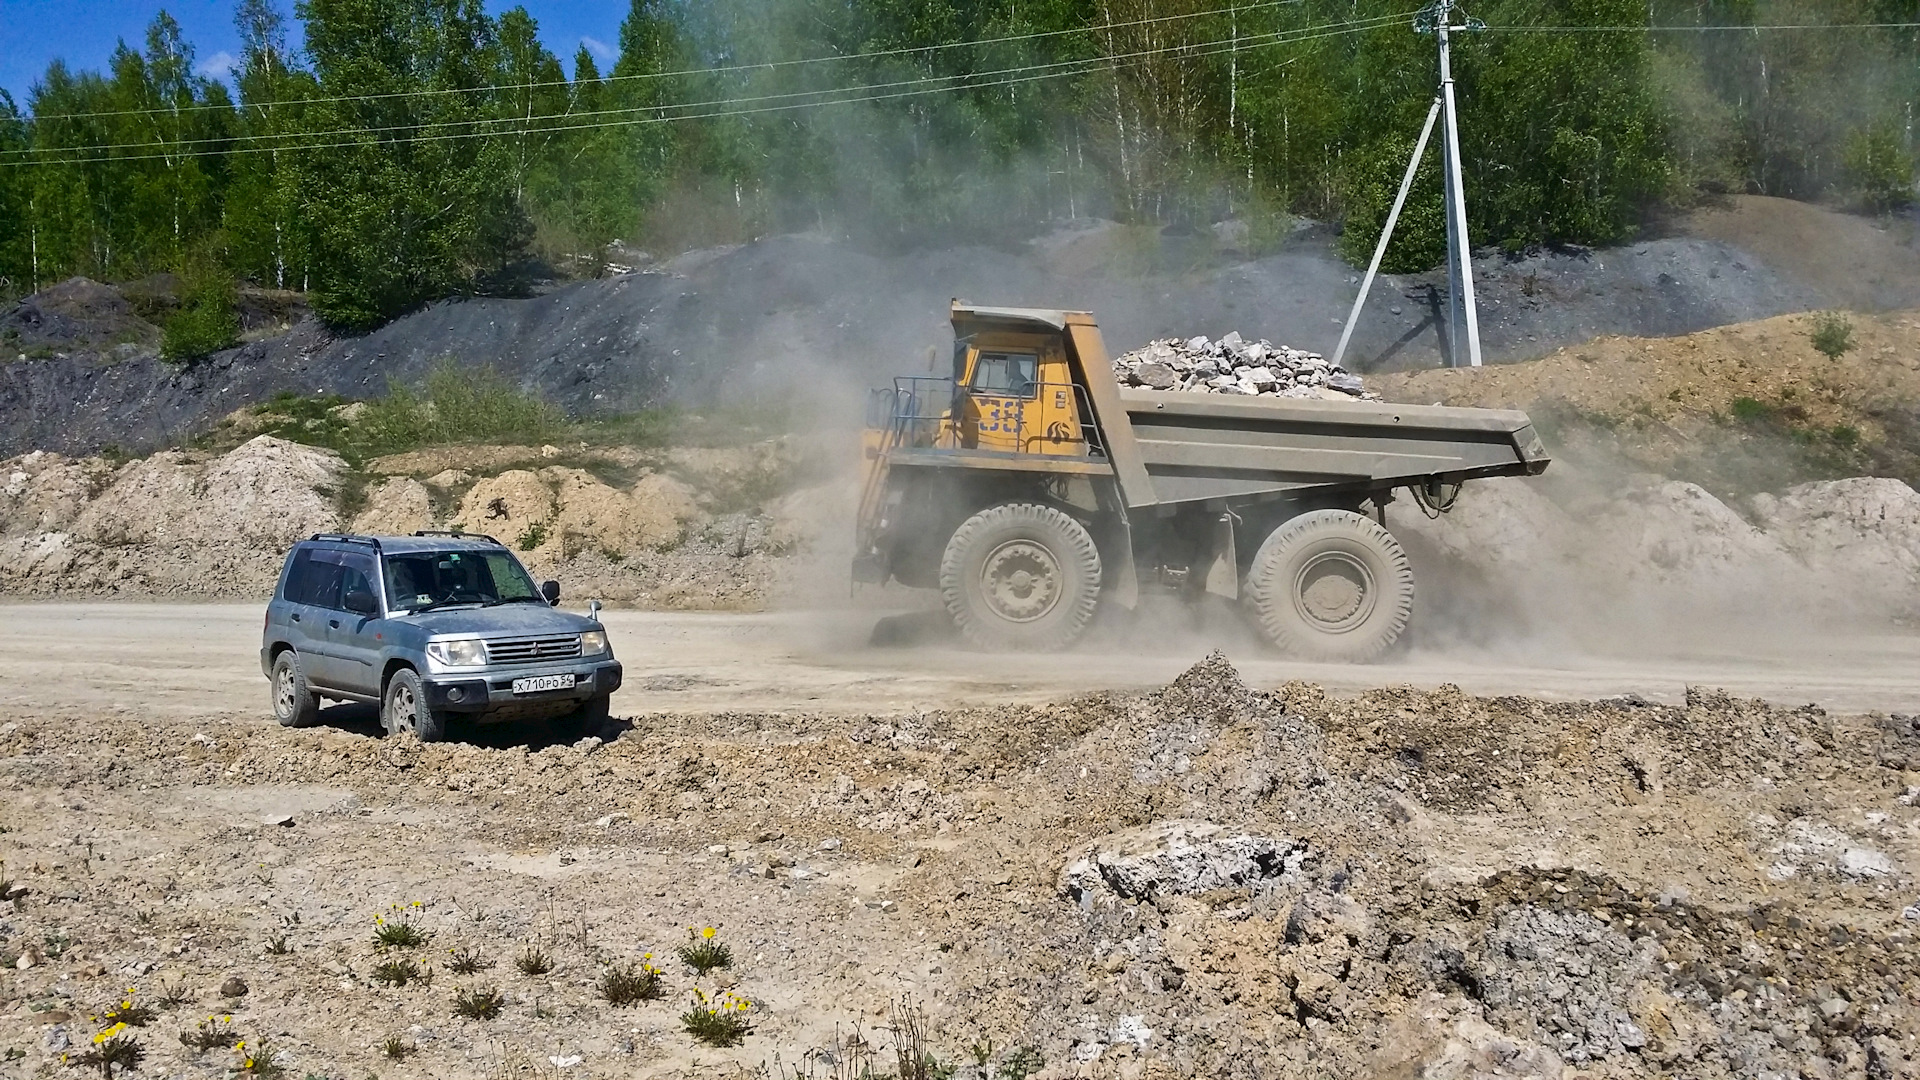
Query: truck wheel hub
[[1021, 580], [403, 706], [1334, 592], [283, 692]]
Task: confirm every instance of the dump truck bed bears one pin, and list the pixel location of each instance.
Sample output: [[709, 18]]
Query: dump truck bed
[[1207, 446]]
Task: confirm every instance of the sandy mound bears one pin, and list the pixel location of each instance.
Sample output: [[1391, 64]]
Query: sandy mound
[[1858, 262]]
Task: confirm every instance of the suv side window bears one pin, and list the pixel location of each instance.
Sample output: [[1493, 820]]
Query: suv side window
[[322, 577]]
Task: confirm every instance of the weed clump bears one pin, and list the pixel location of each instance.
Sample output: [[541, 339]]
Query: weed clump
[[128, 1013], [213, 1033], [260, 1060], [399, 973], [1832, 334], [112, 1049], [466, 961], [478, 1003], [400, 931], [533, 960], [720, 1021], [277, 945], [631, 984], [703, 951], [396, 1048]]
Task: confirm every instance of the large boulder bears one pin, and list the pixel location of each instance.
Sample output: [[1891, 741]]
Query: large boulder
[[1177, 858]]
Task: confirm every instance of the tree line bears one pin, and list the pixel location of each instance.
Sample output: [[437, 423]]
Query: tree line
[[415, 149]]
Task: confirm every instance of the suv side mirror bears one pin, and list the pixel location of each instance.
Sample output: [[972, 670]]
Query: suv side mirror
[[551, 591], [361, 602]]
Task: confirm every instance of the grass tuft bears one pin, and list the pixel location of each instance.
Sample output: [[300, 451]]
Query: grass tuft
[[399, 931], [396, 1048], [112, 1049], [632, 984], [466, 961], [718, 1021], [277, 945], [213, 1033], [127, 1011], [533, 960], [479, 1003], [703, 952], [399, 973]]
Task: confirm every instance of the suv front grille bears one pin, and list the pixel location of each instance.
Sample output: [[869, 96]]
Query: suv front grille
[[532, 650]]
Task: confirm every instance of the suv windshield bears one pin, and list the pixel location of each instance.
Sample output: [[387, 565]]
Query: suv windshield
[[420, 579]]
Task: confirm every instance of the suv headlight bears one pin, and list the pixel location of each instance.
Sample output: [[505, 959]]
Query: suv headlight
[[465, 652], [593, 643]]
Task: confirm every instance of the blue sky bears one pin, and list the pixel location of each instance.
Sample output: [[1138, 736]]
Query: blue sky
[[83, 32]]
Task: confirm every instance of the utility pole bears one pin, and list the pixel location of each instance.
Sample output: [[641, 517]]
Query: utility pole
[[1463, 314]]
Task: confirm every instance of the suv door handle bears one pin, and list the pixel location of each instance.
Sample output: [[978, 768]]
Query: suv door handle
[[334, 623], [295, 616]]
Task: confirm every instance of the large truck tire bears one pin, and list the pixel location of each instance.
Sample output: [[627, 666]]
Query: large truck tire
[[1331, 585], [1021, 576]]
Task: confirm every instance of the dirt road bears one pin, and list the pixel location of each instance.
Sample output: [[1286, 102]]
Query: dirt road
[[187, 659]]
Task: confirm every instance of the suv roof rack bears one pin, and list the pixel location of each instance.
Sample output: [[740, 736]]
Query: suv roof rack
[[459, 535], [347, 538]]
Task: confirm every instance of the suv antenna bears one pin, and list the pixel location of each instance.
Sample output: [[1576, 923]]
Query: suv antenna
[[1463, 313]]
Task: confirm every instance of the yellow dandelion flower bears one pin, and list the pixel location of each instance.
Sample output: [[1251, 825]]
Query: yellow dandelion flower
[[707, 933]]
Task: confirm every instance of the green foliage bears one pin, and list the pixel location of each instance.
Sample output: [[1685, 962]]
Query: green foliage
[[458, 405], [1879, 168], [420, 149], [704, 952], [206, 321], [1750, 410], [1832, 334]]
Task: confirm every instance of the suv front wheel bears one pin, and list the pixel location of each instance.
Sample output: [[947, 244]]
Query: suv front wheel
[[294, 703], [404, 710]]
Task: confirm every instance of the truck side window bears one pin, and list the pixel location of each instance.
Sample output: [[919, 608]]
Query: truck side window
[[1008, 374]]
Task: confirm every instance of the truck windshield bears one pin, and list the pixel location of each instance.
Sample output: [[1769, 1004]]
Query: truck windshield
[[420, 579]]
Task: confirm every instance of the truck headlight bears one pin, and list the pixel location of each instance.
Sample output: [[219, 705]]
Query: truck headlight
[[464, 652], [593, 643]]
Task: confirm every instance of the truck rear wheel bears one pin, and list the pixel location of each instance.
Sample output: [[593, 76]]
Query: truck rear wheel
[[1331, 585], [1021, 576]]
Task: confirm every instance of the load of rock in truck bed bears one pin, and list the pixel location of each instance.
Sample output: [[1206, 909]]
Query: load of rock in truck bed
[[1233, 365]]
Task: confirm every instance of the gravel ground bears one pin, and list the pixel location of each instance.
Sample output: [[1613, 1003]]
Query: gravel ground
[[1398, 883]]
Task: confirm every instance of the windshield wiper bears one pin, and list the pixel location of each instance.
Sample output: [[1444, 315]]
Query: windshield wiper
[[516, 600], [437, 604]]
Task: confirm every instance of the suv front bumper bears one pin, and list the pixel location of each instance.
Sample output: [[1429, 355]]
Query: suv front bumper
[[484, 691]]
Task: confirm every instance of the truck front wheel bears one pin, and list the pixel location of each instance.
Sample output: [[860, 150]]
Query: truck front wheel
[[1331, 585], [1021, 576]]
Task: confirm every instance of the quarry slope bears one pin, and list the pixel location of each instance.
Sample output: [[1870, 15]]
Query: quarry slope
[[814, 316]]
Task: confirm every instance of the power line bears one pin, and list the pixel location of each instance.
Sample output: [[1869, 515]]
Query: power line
[[722, 70], [1727, 27], [970, 81]]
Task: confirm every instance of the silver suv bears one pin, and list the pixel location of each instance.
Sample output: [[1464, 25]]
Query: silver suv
[[429, 627]]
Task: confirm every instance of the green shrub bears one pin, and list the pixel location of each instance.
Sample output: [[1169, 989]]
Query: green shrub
[[457, 405], [1748, 409], [206, 321], [1879, 170], [1832, 334]]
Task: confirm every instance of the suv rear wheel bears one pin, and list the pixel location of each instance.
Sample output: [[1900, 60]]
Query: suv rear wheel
[[404, 710], [294, 703]]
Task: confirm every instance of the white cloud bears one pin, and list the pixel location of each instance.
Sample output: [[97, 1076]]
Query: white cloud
[[218, 66], [598, 48]]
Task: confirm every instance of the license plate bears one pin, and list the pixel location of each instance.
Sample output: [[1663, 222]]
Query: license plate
[[538, 683]]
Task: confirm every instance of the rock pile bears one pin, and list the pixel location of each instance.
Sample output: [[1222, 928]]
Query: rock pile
[[1233, 365]]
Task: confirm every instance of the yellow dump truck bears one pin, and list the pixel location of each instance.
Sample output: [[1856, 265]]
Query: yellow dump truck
[[1030, 488]]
